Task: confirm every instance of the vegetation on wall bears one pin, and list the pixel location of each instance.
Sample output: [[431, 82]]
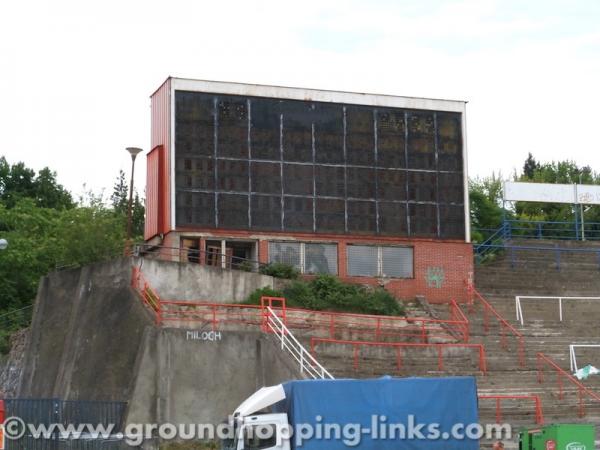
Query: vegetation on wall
[[328, 293], [280, 270]]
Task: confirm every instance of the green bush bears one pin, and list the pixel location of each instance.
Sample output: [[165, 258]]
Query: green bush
[[328, 293], [254, 298], [245, 266], [280, 270]]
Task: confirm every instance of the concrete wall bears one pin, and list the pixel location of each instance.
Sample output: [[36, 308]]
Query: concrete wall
[[86, 331], [92, 339], [185, 379], [193, 282]]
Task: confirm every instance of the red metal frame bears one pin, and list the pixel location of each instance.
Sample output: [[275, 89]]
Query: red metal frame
[[560, 375], [539, 415], [458, 316], [149, 296], [505, 326], [268, 304], [330, 322], [398, 346]]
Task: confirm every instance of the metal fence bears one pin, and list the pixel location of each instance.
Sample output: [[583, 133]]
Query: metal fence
[[49, 412], [542, 229], [500, 240]]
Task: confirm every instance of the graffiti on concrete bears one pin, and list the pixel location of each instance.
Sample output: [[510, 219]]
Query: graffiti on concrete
[[435, 277], [210, 336]]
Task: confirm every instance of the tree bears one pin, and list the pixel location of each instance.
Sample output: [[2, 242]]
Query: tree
[[18, 181], [46, 229], [485, 196], [563, 172], [120, 203], [530, 166], [120, 195]]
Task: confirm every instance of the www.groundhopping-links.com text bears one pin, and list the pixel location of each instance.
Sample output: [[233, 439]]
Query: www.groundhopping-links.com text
[[351, 434]]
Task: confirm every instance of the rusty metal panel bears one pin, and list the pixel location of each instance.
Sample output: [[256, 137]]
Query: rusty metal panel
[[160, 138], [151, 227], [288, 165]]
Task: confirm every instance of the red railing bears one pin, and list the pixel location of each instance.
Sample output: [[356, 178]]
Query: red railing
[[149, 297], [326, 323], [561, 375], [539, 415], [505, 327], [460, 321], [356, 345], [212, 313]]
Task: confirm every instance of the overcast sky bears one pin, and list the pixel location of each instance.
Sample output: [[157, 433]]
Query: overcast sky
[[76, 76]]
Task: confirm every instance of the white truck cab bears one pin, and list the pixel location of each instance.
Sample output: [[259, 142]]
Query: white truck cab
[[260, 431]]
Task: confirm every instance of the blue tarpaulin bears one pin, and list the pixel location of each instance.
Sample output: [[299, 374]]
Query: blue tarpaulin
[[385, 405]]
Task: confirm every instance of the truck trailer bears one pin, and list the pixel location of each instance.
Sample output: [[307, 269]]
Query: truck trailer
[[378, 414]]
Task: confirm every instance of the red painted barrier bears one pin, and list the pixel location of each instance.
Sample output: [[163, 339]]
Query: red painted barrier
[[539, 415], [561, 374], [505, 327], [399, 346]]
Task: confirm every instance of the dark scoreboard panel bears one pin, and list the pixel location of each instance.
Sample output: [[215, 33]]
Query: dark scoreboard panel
[[250, 163]]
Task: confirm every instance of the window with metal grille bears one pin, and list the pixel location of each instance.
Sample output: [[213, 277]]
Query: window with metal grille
[[397, 262], [320, 258], [362, 260], [286, 253], [310, 258], [380, 261]]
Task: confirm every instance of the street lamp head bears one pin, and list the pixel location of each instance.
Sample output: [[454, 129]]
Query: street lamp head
[[3, 244], [133, 151]]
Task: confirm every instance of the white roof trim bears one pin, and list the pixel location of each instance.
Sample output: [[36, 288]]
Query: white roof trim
[[261, 399], [290, 93]]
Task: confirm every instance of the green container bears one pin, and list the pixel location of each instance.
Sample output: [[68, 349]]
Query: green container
[[558, 437]]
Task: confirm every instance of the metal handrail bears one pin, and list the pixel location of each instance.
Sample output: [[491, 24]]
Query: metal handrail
[[399, 345], [308, 363], [519, 308], [488, 246], [457, 315], [504, 324], [561, 373], [558, 251], [225, 261], [539, 415]]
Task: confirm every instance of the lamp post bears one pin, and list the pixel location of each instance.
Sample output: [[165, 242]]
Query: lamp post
[[3, 244], [133, 151]]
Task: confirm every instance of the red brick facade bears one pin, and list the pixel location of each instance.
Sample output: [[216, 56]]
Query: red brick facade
[[441, 268]]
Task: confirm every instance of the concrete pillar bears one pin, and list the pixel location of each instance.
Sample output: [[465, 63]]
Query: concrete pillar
[[224, 254]]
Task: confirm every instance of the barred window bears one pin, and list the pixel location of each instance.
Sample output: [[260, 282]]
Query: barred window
[[380, 261], [310, 258], [285, 253], [397, 262], [320, 258], [362, 260]]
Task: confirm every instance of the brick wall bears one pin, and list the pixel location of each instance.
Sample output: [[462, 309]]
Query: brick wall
[[441, 268], [441, 271]]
